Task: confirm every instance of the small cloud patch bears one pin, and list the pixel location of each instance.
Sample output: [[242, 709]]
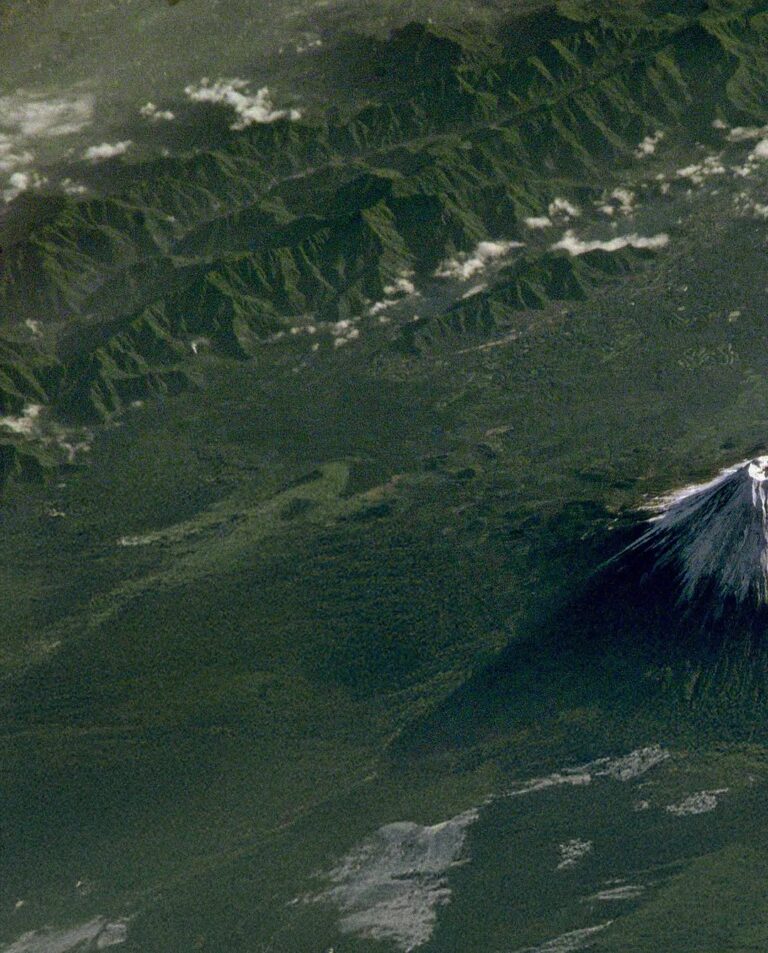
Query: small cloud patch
[[155, 114], [309, 44], [464, 266], [745, 133], [72, 188], [698, 172], [27, 119], [623, 201], [760, 151], [33, 424], [35, 115], [343, 332], [648, 146], [250, 107], [20, 182], [11, 157], [575, 246], [27, 423], [562, 208], [538, 221], [107, 150], [559, 211], [396, 292]]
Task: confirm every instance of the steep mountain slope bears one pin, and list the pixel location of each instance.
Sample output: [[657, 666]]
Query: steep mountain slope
[[314, 219]]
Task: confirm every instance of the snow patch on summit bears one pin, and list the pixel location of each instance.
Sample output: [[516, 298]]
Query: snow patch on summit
[[715, 535]]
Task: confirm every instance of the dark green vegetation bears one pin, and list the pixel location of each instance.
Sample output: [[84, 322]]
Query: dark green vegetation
[[316, 218], [293, 593]]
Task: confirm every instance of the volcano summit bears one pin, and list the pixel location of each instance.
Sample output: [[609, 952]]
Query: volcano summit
[[715, 537]]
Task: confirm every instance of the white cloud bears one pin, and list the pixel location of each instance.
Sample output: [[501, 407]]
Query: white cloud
[[155, 114], [699, 171], [559, 210], [33, 115], [757, 155], [26, 120], [309, 45], [538, 221], [33, 424], [626, 199], [648, 146], [464, 266], [342, 332], [11, 157], [474, 290], [401, 285], [620, 200], [756, 209], [250, 107], [563, 208], [130, 541], [107, 150], [353, 335], [19, 182], [574, 245], [381, 306], [760, 151], [745, 133], [391, 886], [27, 423], [72, 188]]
